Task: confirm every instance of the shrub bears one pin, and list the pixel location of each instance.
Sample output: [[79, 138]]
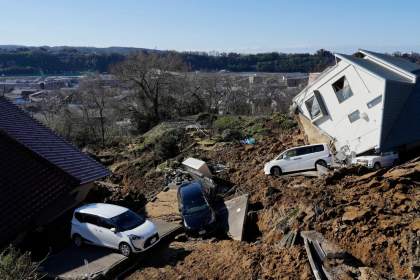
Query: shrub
[[227, 122], [206, 119], [231, 135], [168, 145], [257, 128], [284, 121], [14, 265]]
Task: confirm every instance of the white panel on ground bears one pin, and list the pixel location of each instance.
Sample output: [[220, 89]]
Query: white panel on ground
[[233, 215]]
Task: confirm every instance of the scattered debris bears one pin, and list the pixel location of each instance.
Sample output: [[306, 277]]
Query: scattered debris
[[327, 260], [248, 141], [195, 166]]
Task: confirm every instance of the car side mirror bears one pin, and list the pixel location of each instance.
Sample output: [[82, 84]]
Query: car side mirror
[[286, 157], [114, 230]]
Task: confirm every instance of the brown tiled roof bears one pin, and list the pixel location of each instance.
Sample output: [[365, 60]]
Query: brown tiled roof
[[45, 143]]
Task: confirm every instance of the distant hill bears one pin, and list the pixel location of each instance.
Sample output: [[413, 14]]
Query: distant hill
[[61, 60]]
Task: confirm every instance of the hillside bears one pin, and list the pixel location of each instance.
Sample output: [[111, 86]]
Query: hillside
[[371, 215], [21, 60]]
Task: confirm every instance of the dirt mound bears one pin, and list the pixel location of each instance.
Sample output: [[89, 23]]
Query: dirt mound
[[374, 216], [228, 260]]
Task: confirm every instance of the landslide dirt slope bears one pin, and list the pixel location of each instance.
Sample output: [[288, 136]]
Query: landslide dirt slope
[[374, 216]]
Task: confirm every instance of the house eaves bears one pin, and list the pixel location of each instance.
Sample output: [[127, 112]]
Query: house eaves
[[36, 137], [395, 64], [374, 69]]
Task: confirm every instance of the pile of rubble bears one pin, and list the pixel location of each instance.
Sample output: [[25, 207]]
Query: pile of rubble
[[374, 217], [371, 216]]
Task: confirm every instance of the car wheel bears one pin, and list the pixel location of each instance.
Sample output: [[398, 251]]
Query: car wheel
[[276, 171], [320, 162], [377, 166], [125, 249], [77, 240]]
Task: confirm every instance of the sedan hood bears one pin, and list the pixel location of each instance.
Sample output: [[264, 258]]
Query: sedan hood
[[199, 219]]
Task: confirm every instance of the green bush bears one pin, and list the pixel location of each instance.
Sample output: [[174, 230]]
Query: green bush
[[14, 265], [231, 135], [206, 119], [257, 128], [168, 145], [284, 121], [227, 122]]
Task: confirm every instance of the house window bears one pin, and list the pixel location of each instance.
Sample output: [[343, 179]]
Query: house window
[[354, 116], [342, 89], [315, 106], [374, 101]]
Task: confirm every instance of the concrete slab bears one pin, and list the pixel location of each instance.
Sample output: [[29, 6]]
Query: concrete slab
[[232, 214], [90, 262]]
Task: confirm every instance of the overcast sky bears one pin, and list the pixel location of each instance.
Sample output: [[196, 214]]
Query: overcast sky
[[246, 26]]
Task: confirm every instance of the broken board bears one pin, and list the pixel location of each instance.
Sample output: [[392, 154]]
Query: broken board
[[232, 214]]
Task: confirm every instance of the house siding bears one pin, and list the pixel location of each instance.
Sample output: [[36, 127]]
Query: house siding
[[362, 134], [406, 128], [28, 185]]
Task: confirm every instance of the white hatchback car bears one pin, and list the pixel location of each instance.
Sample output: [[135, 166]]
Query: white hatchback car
[[299, 159], [112, 226]]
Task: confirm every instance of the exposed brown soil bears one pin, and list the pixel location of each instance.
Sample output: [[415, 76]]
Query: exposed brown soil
[[374, 216], [228, 260]]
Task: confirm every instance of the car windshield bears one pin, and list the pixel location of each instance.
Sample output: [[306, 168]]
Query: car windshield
[[287, 154], [195, 204], [127, 220], [280, 156]]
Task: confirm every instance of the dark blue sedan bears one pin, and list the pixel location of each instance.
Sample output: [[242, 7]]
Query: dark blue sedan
[[197, 215]]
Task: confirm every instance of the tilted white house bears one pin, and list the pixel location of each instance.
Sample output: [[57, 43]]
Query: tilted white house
[[366, 101]]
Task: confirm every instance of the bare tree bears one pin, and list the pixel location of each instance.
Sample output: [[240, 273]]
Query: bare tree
[[153, 77], [93, 100]]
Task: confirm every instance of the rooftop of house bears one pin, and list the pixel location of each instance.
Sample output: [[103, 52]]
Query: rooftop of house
[[42, 141], [374, 68], [394, 60]]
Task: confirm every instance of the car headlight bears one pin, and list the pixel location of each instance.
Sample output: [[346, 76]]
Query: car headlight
[[135, 237], [186, 226], [212, 219]]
